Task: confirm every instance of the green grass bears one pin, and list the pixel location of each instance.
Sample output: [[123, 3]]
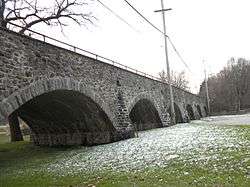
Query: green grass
[[4, 139], [230, 169]]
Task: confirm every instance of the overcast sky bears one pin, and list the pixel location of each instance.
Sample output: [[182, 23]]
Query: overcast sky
[[214, 30]]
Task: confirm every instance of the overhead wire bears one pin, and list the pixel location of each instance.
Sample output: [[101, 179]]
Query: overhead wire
[[171, 42], [179, 55], [149, 22], [117, 16]]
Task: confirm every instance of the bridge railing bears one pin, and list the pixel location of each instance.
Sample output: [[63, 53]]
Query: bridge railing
[[53, 41]]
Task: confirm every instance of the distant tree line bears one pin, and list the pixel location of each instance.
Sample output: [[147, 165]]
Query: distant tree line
[[229, 90]]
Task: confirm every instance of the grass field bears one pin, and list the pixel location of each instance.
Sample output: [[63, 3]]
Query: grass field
[[182, 155]]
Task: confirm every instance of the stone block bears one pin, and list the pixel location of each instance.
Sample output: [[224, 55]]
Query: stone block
[[46, 68]]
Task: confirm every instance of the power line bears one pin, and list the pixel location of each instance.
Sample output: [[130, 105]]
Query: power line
[[172, 44], [179, 55], [123, 20], [116, 15], [145, 18]]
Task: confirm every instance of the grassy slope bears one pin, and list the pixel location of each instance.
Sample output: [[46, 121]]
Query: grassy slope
[[231, 168]]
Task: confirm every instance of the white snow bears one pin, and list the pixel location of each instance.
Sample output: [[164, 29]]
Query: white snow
[[227, 120], [155, 148], [199, 141]]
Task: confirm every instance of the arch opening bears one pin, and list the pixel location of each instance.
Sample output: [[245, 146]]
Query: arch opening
[[178, 115], [145, 116], [66, 117], [199, 111], [190, 112]]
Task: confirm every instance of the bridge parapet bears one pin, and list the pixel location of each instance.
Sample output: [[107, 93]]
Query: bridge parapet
[[33, 72]]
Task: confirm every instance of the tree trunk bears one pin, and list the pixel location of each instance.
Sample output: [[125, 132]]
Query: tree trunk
[[2, 20], [15, 131], [238, 104]]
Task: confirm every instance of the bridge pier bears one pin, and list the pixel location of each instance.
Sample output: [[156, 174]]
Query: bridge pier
[[15, 130]]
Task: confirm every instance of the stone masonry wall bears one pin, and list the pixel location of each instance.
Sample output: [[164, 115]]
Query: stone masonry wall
[[29, 67]]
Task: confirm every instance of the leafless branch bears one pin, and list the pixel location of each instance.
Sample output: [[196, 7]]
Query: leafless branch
[[30, 12]]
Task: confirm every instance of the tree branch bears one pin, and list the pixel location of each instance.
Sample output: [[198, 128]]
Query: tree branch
[[29, 13]]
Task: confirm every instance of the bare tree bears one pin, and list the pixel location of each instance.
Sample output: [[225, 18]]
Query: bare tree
[[179, 80], [229, 90], [31, 12], [239, 78]]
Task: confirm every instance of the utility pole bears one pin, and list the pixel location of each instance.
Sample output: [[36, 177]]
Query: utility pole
[[172, 111], [206, 87]]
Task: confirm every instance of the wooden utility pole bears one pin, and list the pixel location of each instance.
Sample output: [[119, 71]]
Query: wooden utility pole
[[172, 111], [206, 87]]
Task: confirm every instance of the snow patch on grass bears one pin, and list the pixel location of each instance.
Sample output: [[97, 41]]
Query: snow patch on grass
[[155, 148]]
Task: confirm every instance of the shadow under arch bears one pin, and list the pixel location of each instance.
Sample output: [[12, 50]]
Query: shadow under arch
[[20, 97], [190, 112], [143, 113], [199, 111], [178, 114], [62, 112]]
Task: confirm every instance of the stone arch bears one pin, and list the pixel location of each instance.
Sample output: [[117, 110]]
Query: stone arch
[[190, 112], [144, 113], [18, 98], [55, 122], [199, 111], [178, 114], [143, 95]]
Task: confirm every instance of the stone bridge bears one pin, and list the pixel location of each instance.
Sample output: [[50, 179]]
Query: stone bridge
[[67, 98]]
